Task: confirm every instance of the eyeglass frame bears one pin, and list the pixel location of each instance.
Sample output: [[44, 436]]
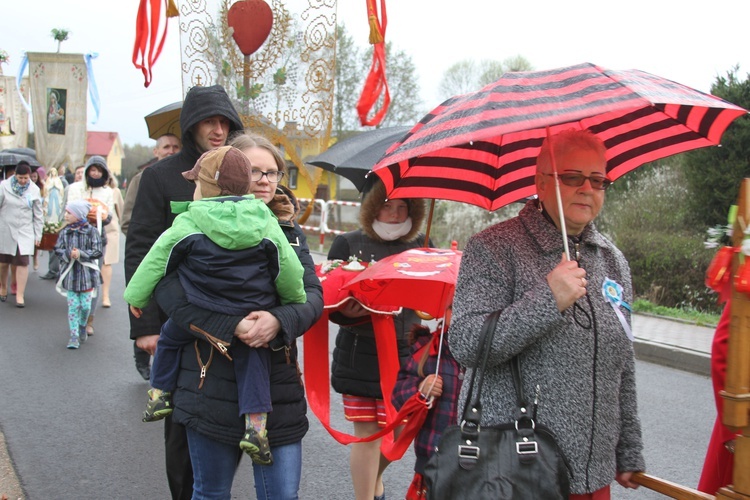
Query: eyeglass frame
[[605, 183], [268, 174]]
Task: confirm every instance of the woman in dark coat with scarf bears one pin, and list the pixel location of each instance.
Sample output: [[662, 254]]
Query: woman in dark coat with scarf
[[387, 227]]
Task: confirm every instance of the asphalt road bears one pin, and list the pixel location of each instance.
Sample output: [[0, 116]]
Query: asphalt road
[[71, 419]]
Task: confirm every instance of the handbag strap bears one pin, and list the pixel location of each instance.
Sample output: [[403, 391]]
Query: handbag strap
[[473, 406]]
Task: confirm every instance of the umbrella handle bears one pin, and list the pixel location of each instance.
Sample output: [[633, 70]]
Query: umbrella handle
[[560, 212], [429, 224]]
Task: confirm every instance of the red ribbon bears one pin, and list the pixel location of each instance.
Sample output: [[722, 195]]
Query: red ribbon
[[146, 35], [376, 83], [317, 385]]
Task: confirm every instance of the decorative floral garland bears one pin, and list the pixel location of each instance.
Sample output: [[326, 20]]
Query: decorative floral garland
[[53, 227], [720, 269]]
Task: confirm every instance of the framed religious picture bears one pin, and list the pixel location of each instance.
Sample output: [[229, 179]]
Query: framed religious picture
[[56, 101]]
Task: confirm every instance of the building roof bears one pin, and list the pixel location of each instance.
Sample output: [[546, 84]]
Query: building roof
[[100, 143]]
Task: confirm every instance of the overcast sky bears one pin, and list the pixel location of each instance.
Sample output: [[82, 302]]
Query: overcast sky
[[670, 38]]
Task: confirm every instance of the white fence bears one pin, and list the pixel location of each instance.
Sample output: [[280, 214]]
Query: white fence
[[323, 217]]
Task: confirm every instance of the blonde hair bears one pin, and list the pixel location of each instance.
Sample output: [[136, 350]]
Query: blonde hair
[[247, 140]]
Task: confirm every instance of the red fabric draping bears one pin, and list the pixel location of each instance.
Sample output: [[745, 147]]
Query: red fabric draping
[[601, 494], [376, 84], [718, 465], [317, 384], [147, 37]]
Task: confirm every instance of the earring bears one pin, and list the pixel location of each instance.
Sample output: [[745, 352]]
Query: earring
[[539, 206]]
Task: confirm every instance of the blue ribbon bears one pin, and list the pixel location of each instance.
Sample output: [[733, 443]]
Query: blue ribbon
[[19, 77], [612, 292], [93, 90]]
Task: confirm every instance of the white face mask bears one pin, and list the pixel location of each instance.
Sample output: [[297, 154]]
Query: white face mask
[[391, 232]]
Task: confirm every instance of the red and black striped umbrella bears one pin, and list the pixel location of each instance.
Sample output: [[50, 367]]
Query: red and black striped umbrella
[[481, 148]]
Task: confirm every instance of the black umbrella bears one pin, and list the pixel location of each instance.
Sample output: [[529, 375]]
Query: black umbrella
[[10, 160], [354, 157], [21, 151], [165, 120]]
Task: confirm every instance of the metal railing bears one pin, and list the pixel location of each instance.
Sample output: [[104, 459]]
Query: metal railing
[[323, 215]]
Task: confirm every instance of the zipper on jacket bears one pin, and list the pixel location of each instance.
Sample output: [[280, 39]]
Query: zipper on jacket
[[219, 344], [354, 349], [203, 366]]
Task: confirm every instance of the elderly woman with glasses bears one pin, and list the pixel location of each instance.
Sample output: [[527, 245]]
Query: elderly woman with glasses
[[567, 319]]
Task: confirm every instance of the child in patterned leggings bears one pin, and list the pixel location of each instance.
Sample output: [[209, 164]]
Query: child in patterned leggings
[[78, 247]]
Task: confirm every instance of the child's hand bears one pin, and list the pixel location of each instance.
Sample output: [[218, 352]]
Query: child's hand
[[74, 254], [436, 391], [136, 311]]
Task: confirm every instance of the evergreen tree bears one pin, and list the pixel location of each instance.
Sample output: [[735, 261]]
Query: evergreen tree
[[714, 174]]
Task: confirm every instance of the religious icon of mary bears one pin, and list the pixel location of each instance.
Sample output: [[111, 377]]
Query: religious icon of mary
[[56, 111]]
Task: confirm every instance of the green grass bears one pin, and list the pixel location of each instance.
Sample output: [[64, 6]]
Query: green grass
[[697, 317]]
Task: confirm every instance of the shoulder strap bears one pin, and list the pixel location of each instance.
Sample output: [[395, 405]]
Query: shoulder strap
[[473, 406]]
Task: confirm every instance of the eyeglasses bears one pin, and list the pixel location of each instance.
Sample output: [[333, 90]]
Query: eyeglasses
[[271, 175], [576, 180]]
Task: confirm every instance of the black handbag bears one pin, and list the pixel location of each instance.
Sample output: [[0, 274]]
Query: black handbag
[[516, 460]]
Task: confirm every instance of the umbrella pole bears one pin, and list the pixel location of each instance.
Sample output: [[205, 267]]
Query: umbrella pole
[[246, 83], [560, 212], [429, 224]]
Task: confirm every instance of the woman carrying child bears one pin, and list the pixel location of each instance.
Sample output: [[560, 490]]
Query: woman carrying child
[[232, 257]]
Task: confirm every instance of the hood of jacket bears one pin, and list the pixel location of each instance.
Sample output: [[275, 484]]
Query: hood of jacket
[[284, 205], [373, 201], [230, 221], [99, 162], [201, 103]]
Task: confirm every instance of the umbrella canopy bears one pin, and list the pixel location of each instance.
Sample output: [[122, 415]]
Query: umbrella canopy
[[12, 159], [354, 157], [481, 148], [21, 151], [423, 279], [165, 120]]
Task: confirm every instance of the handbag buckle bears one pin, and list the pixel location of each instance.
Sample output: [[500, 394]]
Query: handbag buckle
[[467, 451], [526, 447]]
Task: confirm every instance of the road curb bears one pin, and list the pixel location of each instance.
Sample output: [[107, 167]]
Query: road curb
[[673, 357], [10, 485]]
